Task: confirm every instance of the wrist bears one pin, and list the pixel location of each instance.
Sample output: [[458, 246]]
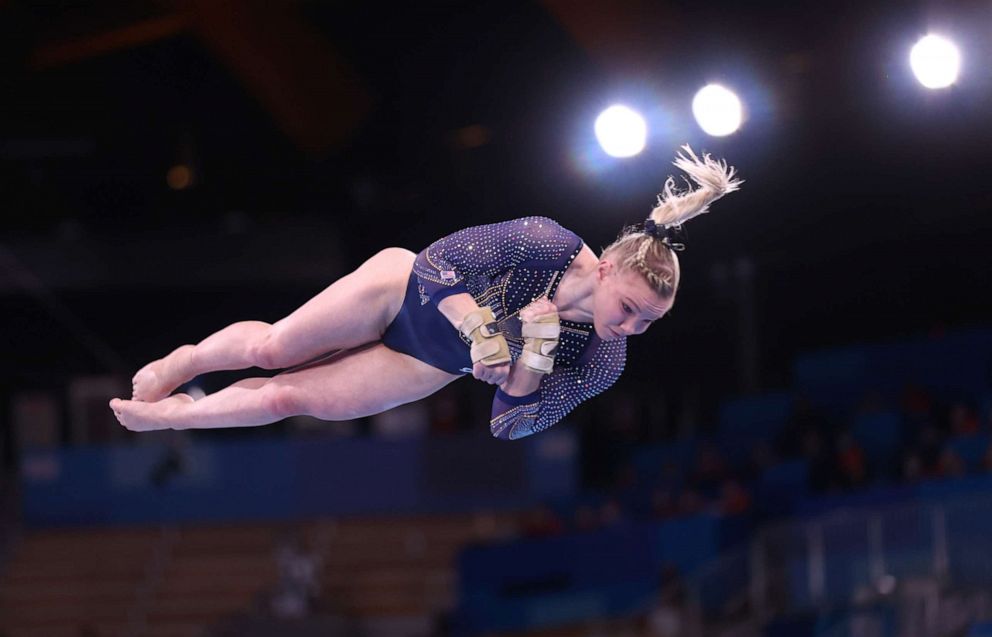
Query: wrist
[[522, 380]]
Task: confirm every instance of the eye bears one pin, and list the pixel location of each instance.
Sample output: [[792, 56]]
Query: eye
[[626, 308]]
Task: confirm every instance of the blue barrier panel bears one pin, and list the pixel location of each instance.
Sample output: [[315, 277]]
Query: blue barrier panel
[[755, 417], [880, 435], [846, 567], [969, 542], [781, 486], [834, 379], [527, 584], [971, 449], [982, 629], [908, 542], [551, 466], [688, 542], [545, 610], [622, 553], [278, 478], [651, 460], [942, 490], [871, 498], [954, 366], [359, 476]]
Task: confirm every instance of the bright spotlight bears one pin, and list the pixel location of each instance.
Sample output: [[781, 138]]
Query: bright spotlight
[[718, 111], [935, 61], [621, 131]]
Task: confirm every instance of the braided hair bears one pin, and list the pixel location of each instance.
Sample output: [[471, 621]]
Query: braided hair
[[650, 248]]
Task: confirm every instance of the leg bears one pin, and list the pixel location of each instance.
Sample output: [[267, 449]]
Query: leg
[[352, 384], [352, 311]]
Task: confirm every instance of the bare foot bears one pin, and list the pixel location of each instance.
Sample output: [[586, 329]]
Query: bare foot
[[141, 416], [158, 379]]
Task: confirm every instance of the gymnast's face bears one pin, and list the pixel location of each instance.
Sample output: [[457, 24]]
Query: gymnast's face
[[624, 304]]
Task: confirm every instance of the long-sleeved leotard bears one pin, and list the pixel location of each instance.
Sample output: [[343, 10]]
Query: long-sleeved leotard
[[506, 266]]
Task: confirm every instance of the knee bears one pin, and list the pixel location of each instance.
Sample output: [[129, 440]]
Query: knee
[[283, 401], [267, 352]]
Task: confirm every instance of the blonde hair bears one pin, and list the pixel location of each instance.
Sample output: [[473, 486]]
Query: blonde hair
[[653, 257]]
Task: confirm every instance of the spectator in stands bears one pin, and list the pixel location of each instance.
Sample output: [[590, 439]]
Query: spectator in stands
[[987, 459], [803, 419], [912, 466], [962, 420], [950, 464], [821, 462], [762, 458], [671, 476], [872, 402], [542, 521], [691, 502], [851, 462], [299, 584], [611, 513], [667, 618], [734, 498], [917, 408], [710, 471], [663, 504], [586, 518], [928, 446]]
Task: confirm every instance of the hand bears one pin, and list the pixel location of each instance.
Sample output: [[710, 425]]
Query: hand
[[540, 307], [492, 374], [541, 328]]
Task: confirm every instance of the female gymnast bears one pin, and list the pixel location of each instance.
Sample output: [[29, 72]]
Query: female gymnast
[[523, 304]]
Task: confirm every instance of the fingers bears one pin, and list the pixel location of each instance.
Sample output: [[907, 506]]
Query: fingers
[[494, 374], [537, 308]]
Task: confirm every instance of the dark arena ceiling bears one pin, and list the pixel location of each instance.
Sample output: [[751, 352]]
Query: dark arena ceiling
[[310, 134]]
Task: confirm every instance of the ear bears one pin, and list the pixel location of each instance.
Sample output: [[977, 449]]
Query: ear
[[603, 269]]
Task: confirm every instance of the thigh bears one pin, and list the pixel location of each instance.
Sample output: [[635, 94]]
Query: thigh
[[354, 310], [361, 382]]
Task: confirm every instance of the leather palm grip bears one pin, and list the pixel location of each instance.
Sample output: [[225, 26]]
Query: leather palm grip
[[488, 344], [540, 343]]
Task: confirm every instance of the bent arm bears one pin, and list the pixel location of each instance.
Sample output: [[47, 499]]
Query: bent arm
[[489, 251], [456, 306], [517, 412]]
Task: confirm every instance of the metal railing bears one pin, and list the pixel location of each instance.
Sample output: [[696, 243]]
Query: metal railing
[[911, 555]]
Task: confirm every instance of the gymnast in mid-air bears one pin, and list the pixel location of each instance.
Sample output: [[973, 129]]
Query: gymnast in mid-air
[[524, 305]]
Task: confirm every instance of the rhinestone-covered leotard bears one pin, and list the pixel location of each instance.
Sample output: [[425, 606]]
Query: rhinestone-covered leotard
[[506, 266]]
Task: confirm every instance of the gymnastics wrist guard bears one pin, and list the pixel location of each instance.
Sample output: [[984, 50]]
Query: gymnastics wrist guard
[[540, 343], [488, 344]]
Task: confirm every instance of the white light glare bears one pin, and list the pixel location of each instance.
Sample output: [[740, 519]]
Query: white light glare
[[935, 61], [621, 131], [718, 111]]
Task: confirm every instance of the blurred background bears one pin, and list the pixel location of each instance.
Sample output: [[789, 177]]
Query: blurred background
[[803, 446]]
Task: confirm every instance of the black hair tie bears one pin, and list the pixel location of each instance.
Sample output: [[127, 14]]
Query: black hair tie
[[671, 236]]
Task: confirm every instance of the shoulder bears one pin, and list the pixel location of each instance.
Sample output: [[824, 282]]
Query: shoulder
[[545, 232]]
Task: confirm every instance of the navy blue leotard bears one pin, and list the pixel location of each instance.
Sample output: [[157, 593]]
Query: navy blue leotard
[[505, 266]]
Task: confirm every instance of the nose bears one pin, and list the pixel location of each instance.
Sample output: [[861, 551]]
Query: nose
[[633, 326]]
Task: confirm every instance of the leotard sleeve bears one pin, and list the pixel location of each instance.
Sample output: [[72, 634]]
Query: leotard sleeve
[[560, 391], [490, 250]]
